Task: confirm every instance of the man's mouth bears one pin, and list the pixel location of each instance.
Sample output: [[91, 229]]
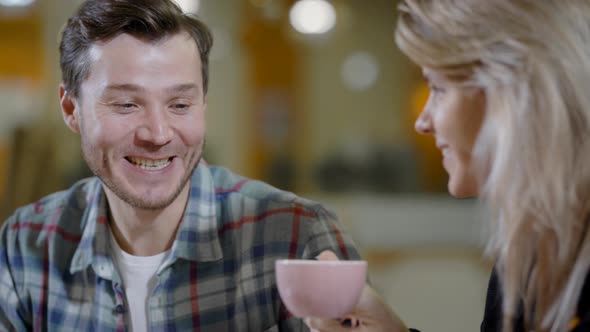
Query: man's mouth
[[150, 164]]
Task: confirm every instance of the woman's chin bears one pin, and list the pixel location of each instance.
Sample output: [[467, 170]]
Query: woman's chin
[[461, 190]]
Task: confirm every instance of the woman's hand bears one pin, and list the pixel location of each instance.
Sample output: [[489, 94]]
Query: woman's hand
[[371, 314]]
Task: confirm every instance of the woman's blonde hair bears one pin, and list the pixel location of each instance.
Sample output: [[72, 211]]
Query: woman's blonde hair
[[532, 59]]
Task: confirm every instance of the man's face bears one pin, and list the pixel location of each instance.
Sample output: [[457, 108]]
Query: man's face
[[140, 114]]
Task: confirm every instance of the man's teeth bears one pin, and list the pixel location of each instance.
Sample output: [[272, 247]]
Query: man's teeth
[[150, 164]]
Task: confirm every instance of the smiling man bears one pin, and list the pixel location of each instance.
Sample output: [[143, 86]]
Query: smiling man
[[157, 240]]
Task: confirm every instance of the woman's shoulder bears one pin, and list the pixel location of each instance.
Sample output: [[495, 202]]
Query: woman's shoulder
[[492, 318], [582, 321]]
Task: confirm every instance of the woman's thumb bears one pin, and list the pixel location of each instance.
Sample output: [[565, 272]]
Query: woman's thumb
[[327, 255]]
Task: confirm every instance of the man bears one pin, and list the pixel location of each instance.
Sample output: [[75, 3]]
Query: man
[[158, 240]]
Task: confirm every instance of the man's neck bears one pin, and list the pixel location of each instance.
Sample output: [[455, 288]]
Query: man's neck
[[142, 232]]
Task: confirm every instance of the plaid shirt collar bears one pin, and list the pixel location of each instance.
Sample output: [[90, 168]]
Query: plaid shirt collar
[[196, 240]]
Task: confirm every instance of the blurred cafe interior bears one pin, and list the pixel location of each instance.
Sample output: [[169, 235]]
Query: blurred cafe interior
[[311, 96]]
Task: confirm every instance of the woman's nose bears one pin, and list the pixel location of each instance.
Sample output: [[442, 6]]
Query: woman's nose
[[423, 124]]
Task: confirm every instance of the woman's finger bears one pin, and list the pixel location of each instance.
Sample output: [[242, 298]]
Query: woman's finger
[[332, 325]]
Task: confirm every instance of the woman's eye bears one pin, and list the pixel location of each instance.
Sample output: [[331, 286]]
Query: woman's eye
[[436, 89]]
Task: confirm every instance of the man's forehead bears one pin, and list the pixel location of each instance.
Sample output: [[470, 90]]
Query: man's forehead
[[127, 60], [125, 40], [118, 48]]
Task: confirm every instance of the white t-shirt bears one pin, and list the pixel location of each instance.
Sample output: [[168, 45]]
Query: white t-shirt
[[139, 279]]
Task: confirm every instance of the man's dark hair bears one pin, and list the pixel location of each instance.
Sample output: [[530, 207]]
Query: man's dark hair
[[102, 20]]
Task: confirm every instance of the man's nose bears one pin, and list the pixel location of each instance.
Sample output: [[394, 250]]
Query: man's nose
[[156, 128]]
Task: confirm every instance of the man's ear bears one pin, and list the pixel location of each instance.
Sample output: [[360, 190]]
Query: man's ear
[[69, 109]]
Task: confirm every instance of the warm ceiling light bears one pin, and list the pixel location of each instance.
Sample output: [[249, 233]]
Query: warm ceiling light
[[16, 3], [312, 16]]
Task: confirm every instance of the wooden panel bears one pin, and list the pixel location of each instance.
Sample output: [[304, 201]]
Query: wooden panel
[[274, 62], [22, 58], [22, 54], [4, 162]]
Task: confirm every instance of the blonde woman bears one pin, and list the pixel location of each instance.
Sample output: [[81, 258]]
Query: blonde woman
[[510, 110]]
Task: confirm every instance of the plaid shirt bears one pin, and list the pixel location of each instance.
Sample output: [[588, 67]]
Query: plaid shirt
[[57, 274]]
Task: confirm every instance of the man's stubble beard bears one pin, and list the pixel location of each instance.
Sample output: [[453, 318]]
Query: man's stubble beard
[[137, 202]]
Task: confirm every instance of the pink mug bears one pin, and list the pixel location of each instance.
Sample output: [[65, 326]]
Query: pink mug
[[327, 289]]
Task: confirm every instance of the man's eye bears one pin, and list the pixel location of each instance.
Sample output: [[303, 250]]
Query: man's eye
[[125, 105], [180, 107]]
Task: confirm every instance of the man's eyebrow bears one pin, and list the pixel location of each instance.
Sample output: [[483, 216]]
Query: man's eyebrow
[[124, 87], [184, 87], [127, 87]]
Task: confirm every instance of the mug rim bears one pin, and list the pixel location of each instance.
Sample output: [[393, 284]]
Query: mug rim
[[318, 262]]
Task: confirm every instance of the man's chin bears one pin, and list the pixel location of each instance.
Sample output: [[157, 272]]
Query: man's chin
[[149, 204], [144, 202], [143, 196]]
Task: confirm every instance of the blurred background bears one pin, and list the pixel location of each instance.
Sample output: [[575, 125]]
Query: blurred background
[[311, 96]]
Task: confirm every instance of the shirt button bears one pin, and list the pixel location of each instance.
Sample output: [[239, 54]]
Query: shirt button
[[119, 309]]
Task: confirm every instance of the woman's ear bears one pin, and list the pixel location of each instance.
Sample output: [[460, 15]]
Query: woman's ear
[[69, 109]]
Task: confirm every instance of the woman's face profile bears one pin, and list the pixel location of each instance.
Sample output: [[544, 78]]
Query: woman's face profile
[[454, 115]]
